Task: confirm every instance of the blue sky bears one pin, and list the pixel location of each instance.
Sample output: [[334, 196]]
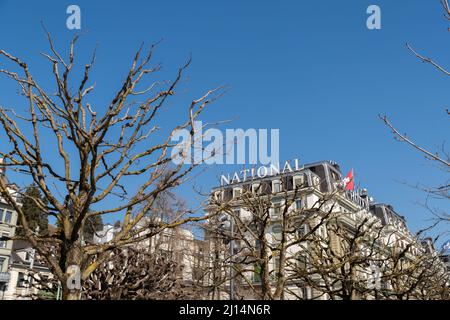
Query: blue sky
[[310, 68]]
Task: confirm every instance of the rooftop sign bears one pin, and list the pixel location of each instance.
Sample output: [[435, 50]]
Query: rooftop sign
[[259, 173]]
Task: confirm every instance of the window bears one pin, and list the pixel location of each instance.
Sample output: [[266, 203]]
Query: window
[[276, 210], [256, 188], [179, 257], [277, 231], [301, 261], [322, 232], [335, 175], [304, 291], [237, 247], [8, 217], [44, 278], [166, 254], [384, 285], [237, 193], [4, 242], [257, 245], [316, 181], [298, 182], [302, 231], [27, 256], [276, 265], [257, 271], [298, 204], [21, 280], [276, 186], [197, 274], [218, 195], [2, 262]]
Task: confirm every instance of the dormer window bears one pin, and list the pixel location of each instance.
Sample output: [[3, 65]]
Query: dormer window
[[256, 188], [299, 182], [276, 186], [316, 181], [28, 256], [218, 196]]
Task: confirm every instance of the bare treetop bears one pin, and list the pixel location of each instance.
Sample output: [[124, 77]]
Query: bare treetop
[[98, 147]]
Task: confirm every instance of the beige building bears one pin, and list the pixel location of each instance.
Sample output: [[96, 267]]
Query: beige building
[[8, 220], [178, 244], [18, 263]]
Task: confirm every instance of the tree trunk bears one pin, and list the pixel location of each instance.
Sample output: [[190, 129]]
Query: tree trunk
[[72, 284], [71, 294]]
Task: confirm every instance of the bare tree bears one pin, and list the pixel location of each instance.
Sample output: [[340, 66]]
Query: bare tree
[[271, 234], [97, 152], [440, 158], [418, 276], [287, 248], [135, 274]]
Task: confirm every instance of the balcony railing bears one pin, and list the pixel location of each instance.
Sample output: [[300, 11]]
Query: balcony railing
[[356, 198]]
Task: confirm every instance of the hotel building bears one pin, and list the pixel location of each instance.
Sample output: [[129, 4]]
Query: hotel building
[[308, 220]]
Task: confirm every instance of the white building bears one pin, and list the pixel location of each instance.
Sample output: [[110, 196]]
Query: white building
[[178, 244], [29, 275], [106, 234], [300, 190]]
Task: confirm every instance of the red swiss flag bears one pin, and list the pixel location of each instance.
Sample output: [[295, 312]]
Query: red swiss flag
[[349, 181]]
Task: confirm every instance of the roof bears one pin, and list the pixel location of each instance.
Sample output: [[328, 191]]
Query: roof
[[20, 246], [391, 210]]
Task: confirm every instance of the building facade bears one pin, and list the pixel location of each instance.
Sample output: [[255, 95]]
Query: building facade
[[179, 245], [8, 221], [176, 244], [30, 278], [299, 234]]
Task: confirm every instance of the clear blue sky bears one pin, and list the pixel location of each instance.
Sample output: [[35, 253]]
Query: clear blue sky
[[310, 68]]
